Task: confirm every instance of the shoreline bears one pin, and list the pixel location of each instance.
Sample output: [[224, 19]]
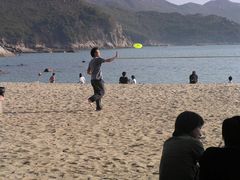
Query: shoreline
[[26, 50]]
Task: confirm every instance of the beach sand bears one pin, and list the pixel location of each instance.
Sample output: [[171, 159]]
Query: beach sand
[[49, 131]]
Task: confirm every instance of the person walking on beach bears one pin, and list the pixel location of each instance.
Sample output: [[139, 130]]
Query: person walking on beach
[[182, 151], [52, 79], [94, 69], [193, 78], [222, 163], [82, 79], [123, 79]]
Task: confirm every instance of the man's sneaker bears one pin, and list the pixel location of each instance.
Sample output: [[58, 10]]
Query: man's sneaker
[[99, 108]]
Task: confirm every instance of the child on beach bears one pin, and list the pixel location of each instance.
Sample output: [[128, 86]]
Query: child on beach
[[182, 151], [52, 79], [133, 80], [94, 69], [82, 79], [222, 163]]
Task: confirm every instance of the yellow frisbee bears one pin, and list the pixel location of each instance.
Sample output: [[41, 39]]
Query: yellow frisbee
[[137, 45]]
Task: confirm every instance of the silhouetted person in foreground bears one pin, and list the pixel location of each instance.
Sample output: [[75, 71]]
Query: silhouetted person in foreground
[[222, 163], [94, 69], [193, 78], [123, 79], [182, 151]]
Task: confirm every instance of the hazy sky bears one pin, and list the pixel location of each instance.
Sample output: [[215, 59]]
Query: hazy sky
[[195, 1]]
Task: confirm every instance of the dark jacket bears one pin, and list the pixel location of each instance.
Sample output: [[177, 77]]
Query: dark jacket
[[179, 158], [220, 164], [193, 79], [123, 80]]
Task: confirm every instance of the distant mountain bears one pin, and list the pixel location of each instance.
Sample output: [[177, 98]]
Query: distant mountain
[[57, 24], [224, 8], [47, 25], [173, 28], [138, 5], [153, 27]]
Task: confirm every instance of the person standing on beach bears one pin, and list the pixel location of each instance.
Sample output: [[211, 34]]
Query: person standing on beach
[[182, 151], [193, 78], [52, 79], [94, 69]]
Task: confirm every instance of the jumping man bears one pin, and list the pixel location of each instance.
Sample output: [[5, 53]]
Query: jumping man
[[94, 69]]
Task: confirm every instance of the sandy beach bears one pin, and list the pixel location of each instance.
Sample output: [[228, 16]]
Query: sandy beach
[[49, 131]]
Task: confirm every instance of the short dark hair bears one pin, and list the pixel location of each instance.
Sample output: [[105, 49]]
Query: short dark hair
[[93, 51], [231, 131], [186, 122], [133, 77], [53, 74], [124, 73]]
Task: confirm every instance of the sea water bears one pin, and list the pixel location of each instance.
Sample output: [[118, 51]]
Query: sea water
[[158, 64]]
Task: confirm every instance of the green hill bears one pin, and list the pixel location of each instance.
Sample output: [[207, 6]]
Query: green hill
[[54, 23], [174, 28], [64, 24]]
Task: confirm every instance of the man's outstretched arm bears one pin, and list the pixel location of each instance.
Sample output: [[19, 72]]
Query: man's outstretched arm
[[111, 59]]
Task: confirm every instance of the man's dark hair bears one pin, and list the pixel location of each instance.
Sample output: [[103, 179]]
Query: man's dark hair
[[93, 51], [124, 73], [186, 122], [231, 131]]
